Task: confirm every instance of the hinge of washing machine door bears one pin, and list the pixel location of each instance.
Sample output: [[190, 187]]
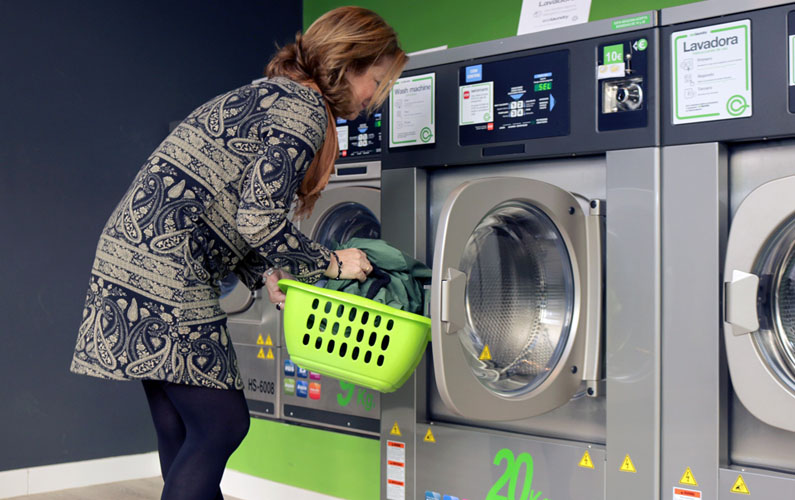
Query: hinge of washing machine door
[[596, 207]]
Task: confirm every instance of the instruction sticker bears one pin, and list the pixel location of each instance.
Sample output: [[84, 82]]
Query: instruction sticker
[[712, 73], [686, 494], [411, 113], [476, 103]]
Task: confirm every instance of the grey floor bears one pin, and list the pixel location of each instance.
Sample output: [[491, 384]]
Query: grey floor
[[139, 489]]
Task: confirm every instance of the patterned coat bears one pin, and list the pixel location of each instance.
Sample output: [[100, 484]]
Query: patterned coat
[[212, 199]]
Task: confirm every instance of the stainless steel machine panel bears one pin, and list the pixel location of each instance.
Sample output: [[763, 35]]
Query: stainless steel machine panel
[[259, 369], [466, 463], [325, 401]]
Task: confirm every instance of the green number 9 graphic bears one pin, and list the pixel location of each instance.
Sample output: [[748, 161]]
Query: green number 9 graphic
[[345, 399]]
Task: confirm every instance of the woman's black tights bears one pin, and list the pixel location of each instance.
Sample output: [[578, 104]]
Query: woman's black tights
[[197, 429]]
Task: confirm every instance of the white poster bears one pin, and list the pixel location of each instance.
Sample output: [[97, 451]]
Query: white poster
[[342, 136], [540, 15], [712, 73], [476, 103], [411, 112]]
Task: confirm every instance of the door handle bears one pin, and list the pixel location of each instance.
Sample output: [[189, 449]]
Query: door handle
[[453, 297], [740, 295]]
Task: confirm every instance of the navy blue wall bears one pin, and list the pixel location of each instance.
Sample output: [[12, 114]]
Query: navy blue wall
[[87, 90]]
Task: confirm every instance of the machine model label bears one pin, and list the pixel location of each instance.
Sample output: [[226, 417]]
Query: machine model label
[[514, 99], [712, 73], [411, 112], [685, 494], [359, 137], [395, 470], [510, 479], [540, 15]]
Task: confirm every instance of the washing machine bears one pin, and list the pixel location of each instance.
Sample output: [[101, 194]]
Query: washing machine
[[525, 171], [728, 130], [349, 207]]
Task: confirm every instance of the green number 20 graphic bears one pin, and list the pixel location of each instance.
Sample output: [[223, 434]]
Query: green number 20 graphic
[[511, 476]]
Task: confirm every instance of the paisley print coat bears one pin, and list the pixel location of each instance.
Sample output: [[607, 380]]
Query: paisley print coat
[[211, 200]]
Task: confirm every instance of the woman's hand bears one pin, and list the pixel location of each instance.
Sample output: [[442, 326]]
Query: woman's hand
[[275, 294], [355, 265]]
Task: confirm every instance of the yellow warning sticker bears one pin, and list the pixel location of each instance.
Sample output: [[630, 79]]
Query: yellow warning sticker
[[260, 340], [740, 487], [270, 354], [268, 340], [485, 355], [586, 461], [261, 354], [429, 436], [627, 465], [395, 429], [688, 478]]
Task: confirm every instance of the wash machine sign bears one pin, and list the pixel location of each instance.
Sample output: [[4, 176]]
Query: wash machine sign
[[712, 73], [476, 103], [411, 116], [512, 476], [474, 73]]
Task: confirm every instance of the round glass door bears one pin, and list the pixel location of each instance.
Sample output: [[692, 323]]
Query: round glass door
[[345, 221], [776, 335], [519, 298]]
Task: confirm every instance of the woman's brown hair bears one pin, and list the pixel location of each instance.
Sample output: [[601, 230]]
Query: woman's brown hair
[[343, 41]]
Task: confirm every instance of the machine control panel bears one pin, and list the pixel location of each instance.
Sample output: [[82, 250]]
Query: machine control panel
[[514, 99], [359, 138], [622, 76]]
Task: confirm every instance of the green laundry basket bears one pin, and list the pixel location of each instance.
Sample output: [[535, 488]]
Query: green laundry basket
[[352, 338]]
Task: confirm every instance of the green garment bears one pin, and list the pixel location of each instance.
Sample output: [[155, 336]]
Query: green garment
[[402, 289]]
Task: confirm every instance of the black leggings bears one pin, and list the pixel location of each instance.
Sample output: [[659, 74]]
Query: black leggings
[[197, 429]]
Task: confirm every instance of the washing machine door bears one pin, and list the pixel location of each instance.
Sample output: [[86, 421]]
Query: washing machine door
[[759, 303], [344, 213], [235, 296], [516, 298]]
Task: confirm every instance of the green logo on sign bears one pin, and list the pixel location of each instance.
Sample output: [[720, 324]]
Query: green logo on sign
[[736, 105], [425, 134], [641, 44], [613, 54]]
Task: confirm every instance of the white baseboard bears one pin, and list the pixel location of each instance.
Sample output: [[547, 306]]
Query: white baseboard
[[246, 487], [78, 474], [58, 477]]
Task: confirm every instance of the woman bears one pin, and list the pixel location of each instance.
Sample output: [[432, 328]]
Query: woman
[[211, 200]]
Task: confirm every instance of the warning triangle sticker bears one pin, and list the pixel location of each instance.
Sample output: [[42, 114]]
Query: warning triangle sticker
[[740, 487], [687, 478], [261, 354], [429, 437], [260, 341], [270, 354], [268, 340], [627, 465], [395, 430], [486, 354], [586, 460]]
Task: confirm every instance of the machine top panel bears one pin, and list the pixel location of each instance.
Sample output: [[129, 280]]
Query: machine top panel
[[593, 29], [730, 77], [713, 8]]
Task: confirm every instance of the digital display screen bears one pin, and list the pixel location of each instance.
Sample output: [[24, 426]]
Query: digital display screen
[[514, 99], [359, 137]]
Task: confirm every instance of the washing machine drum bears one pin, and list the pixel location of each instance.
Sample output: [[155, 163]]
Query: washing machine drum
[[344, 221], [519, 298], [515, 298]]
